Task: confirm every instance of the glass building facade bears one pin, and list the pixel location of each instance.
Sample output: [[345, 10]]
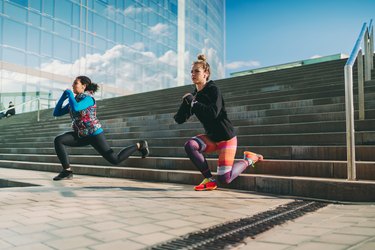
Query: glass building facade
[[127, 46]]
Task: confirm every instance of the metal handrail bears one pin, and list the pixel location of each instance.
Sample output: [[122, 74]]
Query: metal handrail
[[38, 99], [367, 38]]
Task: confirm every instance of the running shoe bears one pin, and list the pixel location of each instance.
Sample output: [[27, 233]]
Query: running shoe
[[206, 185], [252, 158], [64, 175], [144, 148]]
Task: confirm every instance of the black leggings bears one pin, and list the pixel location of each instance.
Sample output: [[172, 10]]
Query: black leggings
[[97, 141]]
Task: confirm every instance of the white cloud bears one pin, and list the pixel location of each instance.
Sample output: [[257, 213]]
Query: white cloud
[[160, 29], [131, 68], [131, 10], [241, 64], [213, 59], [170, 58], [135, 10]]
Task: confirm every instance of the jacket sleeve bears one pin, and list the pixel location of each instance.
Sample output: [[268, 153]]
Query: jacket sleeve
[[59, 110], [183, 113], [81, 105], [211, 110]]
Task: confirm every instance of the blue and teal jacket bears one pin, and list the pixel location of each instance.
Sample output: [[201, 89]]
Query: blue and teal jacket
[[82, 110]]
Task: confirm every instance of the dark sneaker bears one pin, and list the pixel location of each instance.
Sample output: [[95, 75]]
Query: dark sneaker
[[64, 175], [143, 148]]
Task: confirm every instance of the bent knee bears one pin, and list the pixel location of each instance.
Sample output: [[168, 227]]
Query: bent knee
[[58, 140], [191, 145]]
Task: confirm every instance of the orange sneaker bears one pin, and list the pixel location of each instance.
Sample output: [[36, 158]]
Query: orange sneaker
[[252, 158], [206, 185]]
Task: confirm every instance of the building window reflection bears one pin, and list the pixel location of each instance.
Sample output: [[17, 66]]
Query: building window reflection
[[126, 46]]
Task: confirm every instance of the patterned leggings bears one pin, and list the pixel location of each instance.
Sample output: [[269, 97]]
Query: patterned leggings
[[226, 170]]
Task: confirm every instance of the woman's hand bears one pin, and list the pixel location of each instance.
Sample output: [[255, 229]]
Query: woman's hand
[[68, 92], [188, 98]]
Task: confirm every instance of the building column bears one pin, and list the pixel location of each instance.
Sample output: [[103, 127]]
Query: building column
[[181, 43]]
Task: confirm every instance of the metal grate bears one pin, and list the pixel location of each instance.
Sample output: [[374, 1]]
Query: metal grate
[[229, 234]]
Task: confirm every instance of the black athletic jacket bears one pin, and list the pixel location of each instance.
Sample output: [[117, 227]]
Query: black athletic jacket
[[210, 111]]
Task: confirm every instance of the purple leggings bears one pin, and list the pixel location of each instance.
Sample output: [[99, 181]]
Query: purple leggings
[[196, 146]]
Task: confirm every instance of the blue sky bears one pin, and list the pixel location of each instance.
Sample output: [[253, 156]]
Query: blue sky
[[262, 33]]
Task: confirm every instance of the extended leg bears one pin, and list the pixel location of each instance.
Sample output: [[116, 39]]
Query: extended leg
[[101, 145]]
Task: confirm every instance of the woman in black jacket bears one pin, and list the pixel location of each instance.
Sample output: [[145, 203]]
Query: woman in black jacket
[[207, 103]]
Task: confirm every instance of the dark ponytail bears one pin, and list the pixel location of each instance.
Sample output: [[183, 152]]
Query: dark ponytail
[[90, 86]]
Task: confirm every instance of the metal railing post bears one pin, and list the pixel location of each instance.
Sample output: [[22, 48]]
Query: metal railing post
[[349, 107], [350, 140], [367, 56], [38, 113], [372, 48], [361, 91]]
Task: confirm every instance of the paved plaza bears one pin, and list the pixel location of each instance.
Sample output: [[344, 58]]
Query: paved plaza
[[106, 213]]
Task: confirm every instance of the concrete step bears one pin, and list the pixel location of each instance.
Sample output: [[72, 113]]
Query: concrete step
[[306, 168], [312, 127], [302, 139], [337, 152], [317, 188]]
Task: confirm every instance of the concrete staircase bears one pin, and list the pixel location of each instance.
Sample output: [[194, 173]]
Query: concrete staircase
[[295, 117]]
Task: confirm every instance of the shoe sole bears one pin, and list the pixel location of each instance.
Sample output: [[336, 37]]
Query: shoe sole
[[206, 189], [67, 178]]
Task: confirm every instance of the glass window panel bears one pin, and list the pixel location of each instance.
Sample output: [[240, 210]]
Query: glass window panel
[[120, 17], [34, 19], [20, 2], [90, 39], [100, 25], [83, 19], [100, 6], [61, 48], [36, 4], [173, 8], [129, 23], [120, 4], [1, 7], [14, 34], [47, 23], [89, 50], [63, 10], [33, 61], [100, 43], [48, 7], [33, 41], [119, 31], [2, 30], [90, 4], [75, 34], [15, 12], [75, 51], [75, 15], [129, 3], [111, 31], [46, 47], [62, 29], [91, 21], [153, 19], [13, 56], [128, 36]]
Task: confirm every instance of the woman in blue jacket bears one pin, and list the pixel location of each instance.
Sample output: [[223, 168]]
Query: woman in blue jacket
[[86, 127]]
